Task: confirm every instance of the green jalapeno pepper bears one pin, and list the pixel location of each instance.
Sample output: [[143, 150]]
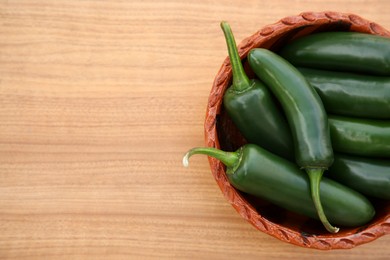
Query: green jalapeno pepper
[[365, 137], [369, 176], [341, 51], [305, 114], [351, 94], [243, 101], [255, 171]]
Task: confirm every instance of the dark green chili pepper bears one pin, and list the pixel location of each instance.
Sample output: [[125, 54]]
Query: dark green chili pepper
[[341, 51], [366, 175], [305, 114], [250, 105], [256, 171], [351, 94], [359, 136]]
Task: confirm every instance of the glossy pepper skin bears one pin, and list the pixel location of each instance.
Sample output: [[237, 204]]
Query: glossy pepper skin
[[305, 115], [368, 176], [351, 94], [362, 137], [250, 105], [341, 51], [302, 106], [255, 171]]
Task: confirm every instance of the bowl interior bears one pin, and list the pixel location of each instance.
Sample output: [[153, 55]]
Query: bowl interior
[[221, 133]]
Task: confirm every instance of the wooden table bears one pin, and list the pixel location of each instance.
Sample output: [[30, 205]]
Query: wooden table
[[99, 102]]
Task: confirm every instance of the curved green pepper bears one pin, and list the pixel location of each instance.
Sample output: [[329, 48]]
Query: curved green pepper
[[256, 171], [305, 114], [359, 136], [341, 51], [369, 176], [351, 94], [250, 105]]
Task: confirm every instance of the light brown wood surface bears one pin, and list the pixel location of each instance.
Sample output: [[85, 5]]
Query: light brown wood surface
[[99, 100]]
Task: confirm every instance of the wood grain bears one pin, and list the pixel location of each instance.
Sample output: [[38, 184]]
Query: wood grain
[[99, 101]]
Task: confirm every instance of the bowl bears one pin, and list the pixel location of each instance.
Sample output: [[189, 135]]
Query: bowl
[[221, 133]]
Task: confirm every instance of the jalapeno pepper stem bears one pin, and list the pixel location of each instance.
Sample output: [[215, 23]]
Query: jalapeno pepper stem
[[230, 159], [240, 79], [315, 176]]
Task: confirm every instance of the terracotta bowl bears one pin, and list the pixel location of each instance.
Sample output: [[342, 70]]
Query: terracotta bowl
[[221, 133]]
